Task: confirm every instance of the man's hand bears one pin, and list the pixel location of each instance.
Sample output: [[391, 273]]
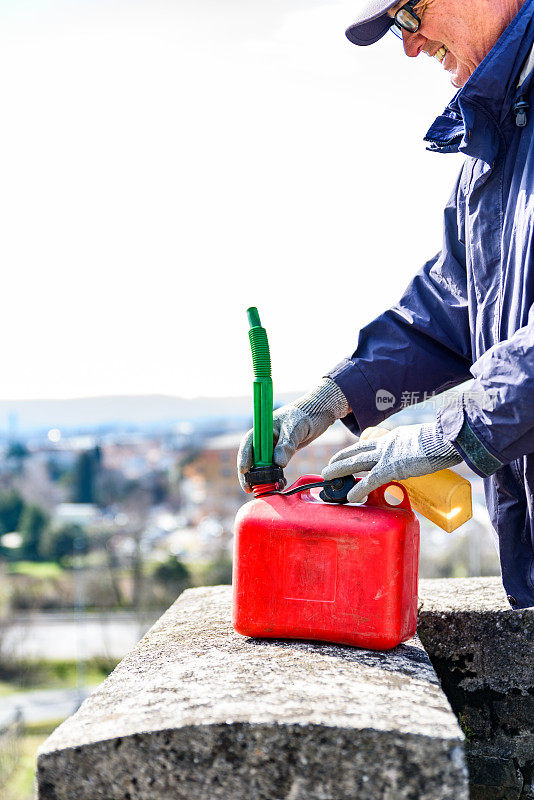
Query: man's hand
[[405, 452], [296, 425]]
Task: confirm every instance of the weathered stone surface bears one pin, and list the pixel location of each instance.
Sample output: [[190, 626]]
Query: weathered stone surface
[[528, 786], [197, 711], [494, 778], [469, 622], [483, 653]]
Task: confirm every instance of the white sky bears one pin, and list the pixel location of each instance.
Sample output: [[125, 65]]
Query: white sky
[[165, 164]]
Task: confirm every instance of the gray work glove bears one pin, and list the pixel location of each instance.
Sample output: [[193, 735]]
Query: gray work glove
[[296, 425], [405, 452]]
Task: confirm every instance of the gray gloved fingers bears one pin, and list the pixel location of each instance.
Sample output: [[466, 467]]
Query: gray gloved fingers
[[244, 460], [292, 435], [406, 452], [283, 453], [353, 449], [296, 425], [360, 463], [244, 454], [367, 485]]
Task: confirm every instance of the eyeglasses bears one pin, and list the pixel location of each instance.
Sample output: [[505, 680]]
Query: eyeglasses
[[406, 19]]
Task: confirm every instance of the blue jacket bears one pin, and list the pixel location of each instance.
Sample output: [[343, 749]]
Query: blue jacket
[[469, 312]]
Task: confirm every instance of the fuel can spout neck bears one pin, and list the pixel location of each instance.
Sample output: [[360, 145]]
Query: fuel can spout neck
[[262, 489], [263, 391], [264, 471]]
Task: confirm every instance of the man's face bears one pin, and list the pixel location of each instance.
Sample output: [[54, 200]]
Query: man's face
[[467, 31]]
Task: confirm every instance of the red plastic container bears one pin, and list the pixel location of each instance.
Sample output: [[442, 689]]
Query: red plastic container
[[305, 569]]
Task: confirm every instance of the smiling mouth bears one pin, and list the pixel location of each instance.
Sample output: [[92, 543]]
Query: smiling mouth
[[441, 53]]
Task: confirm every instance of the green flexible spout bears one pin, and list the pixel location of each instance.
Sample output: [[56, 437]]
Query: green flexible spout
[[262, 440]]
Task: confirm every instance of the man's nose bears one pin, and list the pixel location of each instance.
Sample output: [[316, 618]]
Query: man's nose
[[413, 43]]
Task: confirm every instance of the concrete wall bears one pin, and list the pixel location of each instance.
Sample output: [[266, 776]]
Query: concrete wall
[[483, 654], [197, 711]]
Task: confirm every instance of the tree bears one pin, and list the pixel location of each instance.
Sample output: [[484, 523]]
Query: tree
[[15, 455], [173, 575], [85, 476], [59, 544], [218, 571], [11, 507], [32, 525], [17, 450]]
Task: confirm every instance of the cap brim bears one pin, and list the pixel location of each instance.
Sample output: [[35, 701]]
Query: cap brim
[[364, 33]]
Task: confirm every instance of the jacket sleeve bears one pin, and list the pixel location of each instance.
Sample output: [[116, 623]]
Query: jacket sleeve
[[419, 347], [493, 422]]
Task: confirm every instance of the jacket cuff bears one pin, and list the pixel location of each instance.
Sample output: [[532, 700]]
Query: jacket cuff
[[458, 430], [360, 396]]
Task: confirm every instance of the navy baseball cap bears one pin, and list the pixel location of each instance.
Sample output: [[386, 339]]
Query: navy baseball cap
[[372, 22]]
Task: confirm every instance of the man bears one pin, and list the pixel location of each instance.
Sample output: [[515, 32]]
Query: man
[[469, 311]]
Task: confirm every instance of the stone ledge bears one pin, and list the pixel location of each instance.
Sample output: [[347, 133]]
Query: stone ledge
[[195, 710], [469, 622], [483, 653]]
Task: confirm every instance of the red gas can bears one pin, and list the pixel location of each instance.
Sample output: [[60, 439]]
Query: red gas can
[[306, 569]]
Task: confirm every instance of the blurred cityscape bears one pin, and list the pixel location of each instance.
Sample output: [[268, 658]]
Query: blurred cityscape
[[103, 524], [123, 516]]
